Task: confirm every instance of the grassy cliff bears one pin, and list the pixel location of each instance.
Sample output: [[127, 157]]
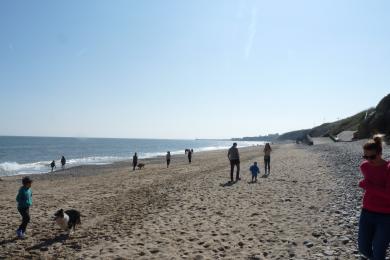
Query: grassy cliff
[[351, 123]]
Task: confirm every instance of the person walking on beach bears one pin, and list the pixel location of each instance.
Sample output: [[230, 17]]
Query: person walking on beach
[[234, 158], [254, 170], [24, 199], [374, 223], [53, 165], [190, 155], [63, 162], [168, 158], [267, 159], [135, 161]]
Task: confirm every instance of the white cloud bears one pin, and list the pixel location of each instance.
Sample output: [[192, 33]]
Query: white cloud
[[252, 33]]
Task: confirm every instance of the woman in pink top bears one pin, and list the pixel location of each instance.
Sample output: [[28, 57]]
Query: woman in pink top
[[374, 224]]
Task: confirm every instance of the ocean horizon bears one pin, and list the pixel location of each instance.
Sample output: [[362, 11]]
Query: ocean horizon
[[32, 155]]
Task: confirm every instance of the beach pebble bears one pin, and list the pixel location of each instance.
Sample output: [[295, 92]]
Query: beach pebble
[[316, 234], [344, 240], [328, 252], [154, 250], [291, 253], [308, 244], [198, 257]]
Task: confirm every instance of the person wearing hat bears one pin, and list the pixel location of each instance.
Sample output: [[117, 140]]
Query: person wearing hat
[[24, 199]]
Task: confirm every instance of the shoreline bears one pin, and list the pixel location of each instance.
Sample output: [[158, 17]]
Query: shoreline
[[142, 156], [86, 170]]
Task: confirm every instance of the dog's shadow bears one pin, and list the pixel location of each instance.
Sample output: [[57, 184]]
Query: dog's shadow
[[50, 241], [8, 241]]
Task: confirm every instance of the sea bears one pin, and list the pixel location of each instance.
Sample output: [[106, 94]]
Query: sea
[[32, 155]]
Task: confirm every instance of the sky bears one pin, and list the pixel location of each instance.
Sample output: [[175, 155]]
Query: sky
[[188, 69]]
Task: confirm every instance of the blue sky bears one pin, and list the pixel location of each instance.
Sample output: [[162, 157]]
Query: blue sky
[[188, 69]]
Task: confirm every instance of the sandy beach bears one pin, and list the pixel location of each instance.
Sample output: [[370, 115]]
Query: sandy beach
[[306, 209]]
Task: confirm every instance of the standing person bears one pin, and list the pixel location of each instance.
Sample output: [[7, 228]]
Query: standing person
[[24, 199], [254, 170], [53, 165], [168, 158], [190, 155], [374, 223], [63, 162], [234, 158], [135, 161], [267, 158]]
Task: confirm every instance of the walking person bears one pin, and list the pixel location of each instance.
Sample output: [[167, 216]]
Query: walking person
[[24, 199], [135, 161], [168, 158], [267, 159], [53, 165], [374, 223], [190, 155], [234, 158], [63, 162]]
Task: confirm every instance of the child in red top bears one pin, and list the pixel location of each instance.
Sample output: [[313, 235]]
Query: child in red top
[[374, 224]]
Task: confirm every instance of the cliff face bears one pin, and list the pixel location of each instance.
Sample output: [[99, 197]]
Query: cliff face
[[366, 123], [377, 121], [348, 124], [329, 129]]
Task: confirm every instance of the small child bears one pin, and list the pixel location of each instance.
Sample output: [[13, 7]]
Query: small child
[[254, 170], [24, 199]]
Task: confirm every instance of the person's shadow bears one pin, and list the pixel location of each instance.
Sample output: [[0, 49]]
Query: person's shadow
[[50, 241], [228, 184]]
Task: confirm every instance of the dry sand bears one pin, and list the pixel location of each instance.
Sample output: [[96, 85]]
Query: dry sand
[[186, 211]]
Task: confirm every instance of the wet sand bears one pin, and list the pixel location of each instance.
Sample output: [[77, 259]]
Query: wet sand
[[189, 211]]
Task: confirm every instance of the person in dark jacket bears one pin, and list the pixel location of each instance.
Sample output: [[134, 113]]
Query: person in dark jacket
[[168, 158], [135, 161], [63, 162], [24, 199], [234, 158], [53, 165], [189, 154]]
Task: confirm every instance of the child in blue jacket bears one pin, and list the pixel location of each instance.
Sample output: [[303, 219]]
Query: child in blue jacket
[[254, 170], [24, 199]]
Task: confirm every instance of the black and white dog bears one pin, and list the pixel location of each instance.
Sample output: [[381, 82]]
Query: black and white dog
[[67, 219]]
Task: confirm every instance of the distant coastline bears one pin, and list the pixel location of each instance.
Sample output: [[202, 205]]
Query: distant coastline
[[265, 138]]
